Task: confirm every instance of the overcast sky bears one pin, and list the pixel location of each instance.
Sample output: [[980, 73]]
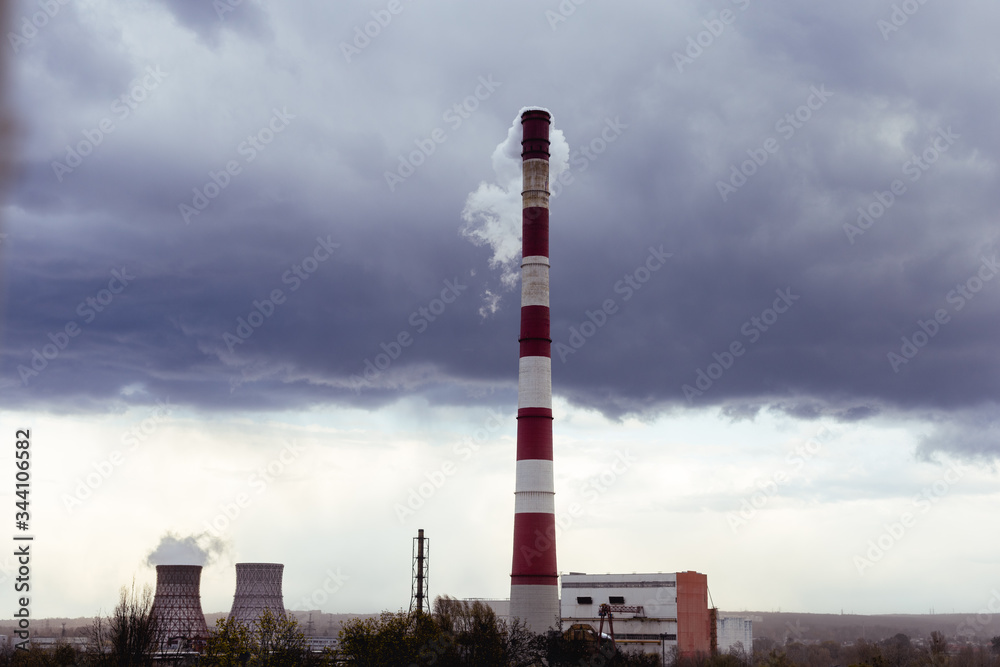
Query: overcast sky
[[774, 294]]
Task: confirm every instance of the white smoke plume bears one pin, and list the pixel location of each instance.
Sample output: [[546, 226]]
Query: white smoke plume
[[203, 549], [492, 213]]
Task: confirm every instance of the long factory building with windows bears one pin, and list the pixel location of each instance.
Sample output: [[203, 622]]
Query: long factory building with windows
[[652, 613]]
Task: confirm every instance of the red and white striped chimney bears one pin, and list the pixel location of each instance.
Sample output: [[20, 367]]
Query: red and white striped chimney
[[534, 595]]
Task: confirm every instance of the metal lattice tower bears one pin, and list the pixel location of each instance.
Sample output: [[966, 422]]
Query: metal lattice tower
[[258, 587], [177, 607], [421, 557]]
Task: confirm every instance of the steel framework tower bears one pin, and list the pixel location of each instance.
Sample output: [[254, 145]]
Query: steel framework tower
[[421, 558], [258, 587], [534, 594]]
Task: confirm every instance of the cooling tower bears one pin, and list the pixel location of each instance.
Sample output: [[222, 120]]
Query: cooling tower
[[534, 596], [177, 607], [258, 587]]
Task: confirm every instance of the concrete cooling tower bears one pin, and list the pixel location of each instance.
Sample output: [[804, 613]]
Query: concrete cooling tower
[[258, 587], [177, 607]]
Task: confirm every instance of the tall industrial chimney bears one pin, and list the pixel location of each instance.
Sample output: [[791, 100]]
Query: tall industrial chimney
[[177, 607], [421, 551], [534, 596], [258, 587]]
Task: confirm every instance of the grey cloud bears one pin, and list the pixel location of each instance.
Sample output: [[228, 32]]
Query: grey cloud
[[972, 434], [209, 19], [656, 184]]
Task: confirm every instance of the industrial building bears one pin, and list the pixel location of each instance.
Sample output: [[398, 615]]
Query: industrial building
[[735, 632], [651, 613]]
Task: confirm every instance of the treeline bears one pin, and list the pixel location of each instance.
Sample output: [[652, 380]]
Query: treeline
[[463, 634], [131, 637], [457, 634], [896, 651]]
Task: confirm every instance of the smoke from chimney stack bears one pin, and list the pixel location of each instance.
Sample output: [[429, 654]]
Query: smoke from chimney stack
[[492, 213]]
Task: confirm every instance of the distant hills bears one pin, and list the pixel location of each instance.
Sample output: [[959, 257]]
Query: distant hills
[[322, 624], [782, 626], [779, 626]]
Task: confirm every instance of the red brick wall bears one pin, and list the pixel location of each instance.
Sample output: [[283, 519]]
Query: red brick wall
[[693, 619]]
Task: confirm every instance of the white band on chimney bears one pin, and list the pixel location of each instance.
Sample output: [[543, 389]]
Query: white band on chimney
[[538, 502], [534, 475], [535, 183], [534, 382], [535, 284], [542, 603]]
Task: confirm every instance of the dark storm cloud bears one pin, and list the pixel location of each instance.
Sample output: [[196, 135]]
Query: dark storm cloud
[[209, 19], [972, 433], [832, 110]]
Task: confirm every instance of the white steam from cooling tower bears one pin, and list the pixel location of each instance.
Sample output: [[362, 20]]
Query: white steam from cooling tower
[[492, 213], [203, 549]]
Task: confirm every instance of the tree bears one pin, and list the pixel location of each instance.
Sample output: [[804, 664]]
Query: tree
[[738, 653], [776, 658], [130, 636], [270, 641], [898, 650], [479, 636], [389, 639], [522, 646], [228, 645], [456, 634], [464, 634], [280, 643], [939, 648]]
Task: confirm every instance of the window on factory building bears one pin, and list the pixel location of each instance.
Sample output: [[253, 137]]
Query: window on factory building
[[584, 600], [616, 599]]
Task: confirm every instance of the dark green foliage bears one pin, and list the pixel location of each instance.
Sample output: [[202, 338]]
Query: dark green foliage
[[272, 641], [463, 634]]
